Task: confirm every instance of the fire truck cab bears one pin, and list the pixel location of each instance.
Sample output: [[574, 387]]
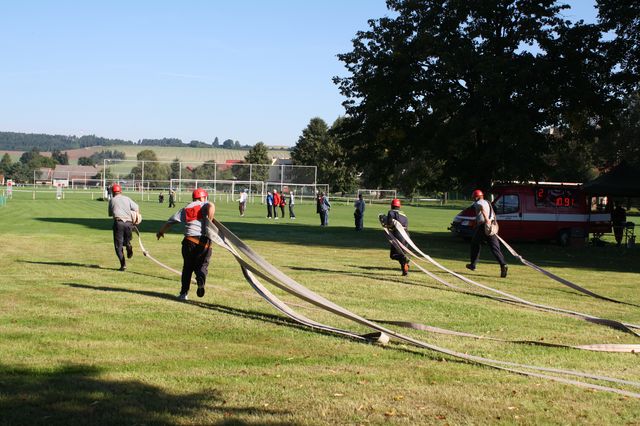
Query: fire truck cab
[[541, 211]]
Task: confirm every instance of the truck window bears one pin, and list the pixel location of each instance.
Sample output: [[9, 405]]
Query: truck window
[[508, 203]]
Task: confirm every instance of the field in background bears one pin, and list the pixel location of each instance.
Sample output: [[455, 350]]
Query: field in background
[[82, 343], [185, 154], [198, 155]]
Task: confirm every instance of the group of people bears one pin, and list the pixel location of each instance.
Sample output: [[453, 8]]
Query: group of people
[[196, 245], [277, 200]]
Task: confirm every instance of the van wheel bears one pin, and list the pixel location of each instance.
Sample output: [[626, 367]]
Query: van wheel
[[563, 237]]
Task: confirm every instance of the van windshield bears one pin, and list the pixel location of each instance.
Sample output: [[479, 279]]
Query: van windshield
[[507, 203]]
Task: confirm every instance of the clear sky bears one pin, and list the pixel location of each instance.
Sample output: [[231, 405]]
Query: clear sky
[[247, 70]]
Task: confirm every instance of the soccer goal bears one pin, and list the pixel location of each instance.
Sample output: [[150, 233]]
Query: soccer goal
[[218, 189], [377, 195]]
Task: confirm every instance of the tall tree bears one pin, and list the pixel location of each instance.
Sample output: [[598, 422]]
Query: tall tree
[[155, 173], [5, 164], [258, 154], [318, 146], [443, 91]]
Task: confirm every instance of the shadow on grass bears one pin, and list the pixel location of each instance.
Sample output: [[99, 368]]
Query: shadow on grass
[[439, 245], [76, 395], [91, 266], [255, 315]]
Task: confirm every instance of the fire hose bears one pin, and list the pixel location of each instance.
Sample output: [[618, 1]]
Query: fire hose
[[507, 297], [227, 240]]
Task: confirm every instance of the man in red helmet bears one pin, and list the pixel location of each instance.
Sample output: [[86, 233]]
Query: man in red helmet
[[396, 253], [121, 208], [196, 247], [484, 213]]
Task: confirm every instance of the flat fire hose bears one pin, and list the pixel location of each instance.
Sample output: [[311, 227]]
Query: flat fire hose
[[225, 238], [557, 278], [627, 327]]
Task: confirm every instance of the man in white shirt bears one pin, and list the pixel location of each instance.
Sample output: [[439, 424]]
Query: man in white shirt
[[242, 202], [484, 213]]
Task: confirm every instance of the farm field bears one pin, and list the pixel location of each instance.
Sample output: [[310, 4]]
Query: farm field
[[85, 344], [196, 155]]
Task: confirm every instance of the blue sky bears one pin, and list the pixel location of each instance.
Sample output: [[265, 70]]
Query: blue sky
[[247, 70]]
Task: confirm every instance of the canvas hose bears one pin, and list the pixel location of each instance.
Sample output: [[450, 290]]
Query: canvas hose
[[227, 240], [623, 326], [557, 278]]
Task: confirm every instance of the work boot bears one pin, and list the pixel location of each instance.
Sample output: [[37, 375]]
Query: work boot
[[129, 251], [503, 271], [405, 269], [200, 291], [122, 268], [183, 296], [470, 266]]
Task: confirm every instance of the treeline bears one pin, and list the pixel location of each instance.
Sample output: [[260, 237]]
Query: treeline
[[97, 157], [13, 141]]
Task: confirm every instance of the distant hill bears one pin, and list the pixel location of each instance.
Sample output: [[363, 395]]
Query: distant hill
[[166, 149], [12, 141]]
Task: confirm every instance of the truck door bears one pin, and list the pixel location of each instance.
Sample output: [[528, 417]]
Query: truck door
[[508, 208]]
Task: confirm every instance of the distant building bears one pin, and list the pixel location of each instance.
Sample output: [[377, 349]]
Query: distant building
[[67, 175]]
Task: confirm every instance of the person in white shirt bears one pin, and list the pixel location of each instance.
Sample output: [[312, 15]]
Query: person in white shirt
[[484, 213], [242, 202]]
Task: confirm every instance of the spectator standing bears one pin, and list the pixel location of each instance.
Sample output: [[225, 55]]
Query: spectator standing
[[276, 203], [269, 205], [242, 202], [283, 202], [323, 207], [172, 198], [358, 213], [619, 222], [292, 201]]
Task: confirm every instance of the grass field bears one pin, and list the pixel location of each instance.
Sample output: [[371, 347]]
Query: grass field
[[82, 343]]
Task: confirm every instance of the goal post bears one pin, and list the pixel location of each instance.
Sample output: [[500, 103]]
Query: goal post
[[377, 195]]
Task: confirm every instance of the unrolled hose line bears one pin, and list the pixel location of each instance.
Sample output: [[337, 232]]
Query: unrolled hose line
[[628, 327], [286, 283]]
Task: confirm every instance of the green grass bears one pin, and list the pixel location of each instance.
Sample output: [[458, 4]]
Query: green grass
[[84, 344]]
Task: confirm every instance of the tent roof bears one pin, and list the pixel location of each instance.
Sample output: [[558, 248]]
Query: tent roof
[[621, 181]]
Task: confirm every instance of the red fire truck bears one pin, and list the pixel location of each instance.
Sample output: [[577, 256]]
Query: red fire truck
[[541, 211]]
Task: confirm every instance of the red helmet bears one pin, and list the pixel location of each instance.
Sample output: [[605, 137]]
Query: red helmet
[[395, 203], [116, 188], [199, 193], [477, 193]]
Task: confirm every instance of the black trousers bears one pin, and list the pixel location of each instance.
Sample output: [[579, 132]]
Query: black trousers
[[359, 219], [494, 244], [269, 210], [397, 253], [121, 239], [196, 260]]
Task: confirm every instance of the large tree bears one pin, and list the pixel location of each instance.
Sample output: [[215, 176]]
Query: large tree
[[258, 154], [318, 146], [450, 93]]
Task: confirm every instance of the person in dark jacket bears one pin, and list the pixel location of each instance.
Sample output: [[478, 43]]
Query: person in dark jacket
[[396, 253], [358, 213], [619, 222], [270, 205]]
